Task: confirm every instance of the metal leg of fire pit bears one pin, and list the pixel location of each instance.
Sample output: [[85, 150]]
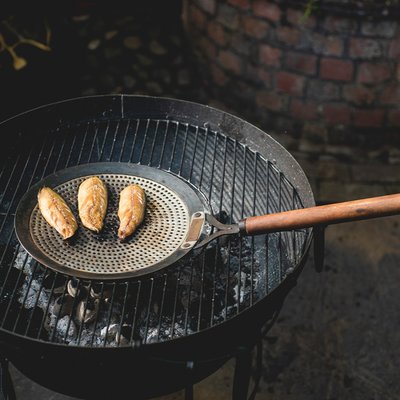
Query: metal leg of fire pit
[[241, 380], [243, 372], [319, 247], [257, 376], [189, 386], [6, 386]]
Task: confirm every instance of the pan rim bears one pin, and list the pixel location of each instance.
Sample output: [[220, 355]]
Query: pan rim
[[28, 202]]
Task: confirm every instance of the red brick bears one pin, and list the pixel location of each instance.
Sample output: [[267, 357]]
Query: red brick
[[327, 45], [197, 17], [296, 17], [270, 101], [290, 83], [338, 70], [301, 109], [250, 74], [254, 27], [207, 47], [384, 29], [289, 36], [394, 48], [323, 90], [217, 33], [391, 95], [314, 134], [373, 73], [243, 4], [337, 113], [207, 5], [228, 16], [230, 61], [340, 25], [301, 62], [368, 118], [240, 43], [263, 8], [394, 118], [264, 76], [270, 55], [365, 48], [218, 75], [359, 95]]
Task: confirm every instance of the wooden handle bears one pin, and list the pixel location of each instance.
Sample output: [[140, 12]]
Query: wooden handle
[[324, 215]]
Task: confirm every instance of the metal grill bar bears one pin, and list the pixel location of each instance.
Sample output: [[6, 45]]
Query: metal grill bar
[[161, 306], [20, 308], [280, 208], [47, 308], [253, 211], [146, 329], [10, 177], [94, 141], [189, 294], [218, 241], [79, 288], [96, 317], [144, 141], [203, 261], [178, 278], [29, 321], [153, 144], [230, 219], [163, 145], [110, 312], [134, 321], [83, 142], [241, 217], [126, 284], [134, 141], [53, 331]]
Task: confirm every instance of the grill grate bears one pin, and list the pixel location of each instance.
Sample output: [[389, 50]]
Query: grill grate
[[199, 291]]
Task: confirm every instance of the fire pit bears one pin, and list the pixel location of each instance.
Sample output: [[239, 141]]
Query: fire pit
[[168, 327]]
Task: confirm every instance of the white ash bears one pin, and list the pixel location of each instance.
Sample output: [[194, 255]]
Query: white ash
[[87, 338], [29, 295], [243, 280], [165, 332], [61, 328], [109, 332], [23, 261], [226, 313], [95, 333]]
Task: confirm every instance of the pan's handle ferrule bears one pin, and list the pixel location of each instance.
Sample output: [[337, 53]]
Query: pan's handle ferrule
[[242, 226]]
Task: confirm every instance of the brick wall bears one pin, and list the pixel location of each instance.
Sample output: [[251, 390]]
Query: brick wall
[[323, 84]]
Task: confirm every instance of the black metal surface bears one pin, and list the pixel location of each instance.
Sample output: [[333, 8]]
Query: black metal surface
[[240, 169]]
